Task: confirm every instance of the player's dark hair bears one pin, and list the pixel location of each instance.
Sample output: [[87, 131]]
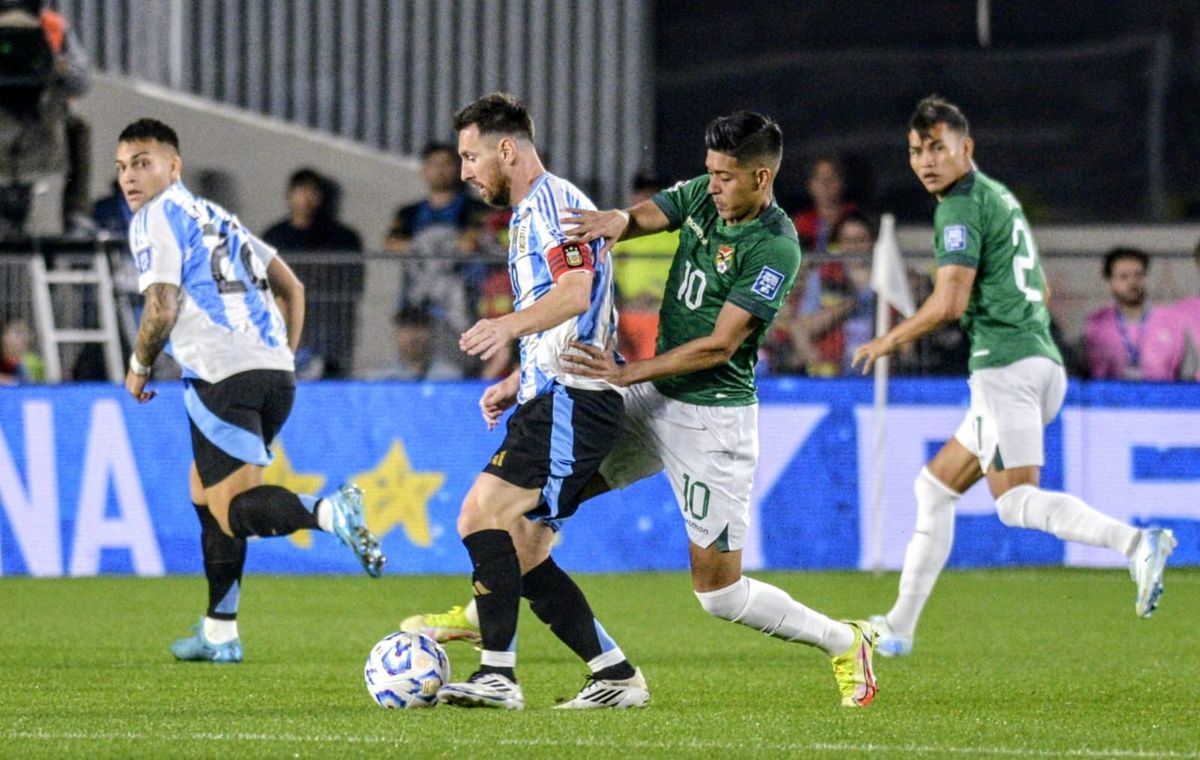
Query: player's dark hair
[[306, 176], [415, 315], [496, 114], [1116, 254], [747, 136], [149, 129], [935, 110], [439, 147]]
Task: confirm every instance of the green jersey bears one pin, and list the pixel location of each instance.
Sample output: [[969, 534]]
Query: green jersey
[[980, 224], [752, 265]]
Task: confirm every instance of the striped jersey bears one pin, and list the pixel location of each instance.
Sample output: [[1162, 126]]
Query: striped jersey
[[533, 232], [228, 321]]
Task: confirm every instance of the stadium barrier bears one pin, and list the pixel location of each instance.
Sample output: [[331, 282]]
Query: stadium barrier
[[91, 483]]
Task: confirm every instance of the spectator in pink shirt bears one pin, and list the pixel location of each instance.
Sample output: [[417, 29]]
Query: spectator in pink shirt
[[1113, 336], [1172, 340]]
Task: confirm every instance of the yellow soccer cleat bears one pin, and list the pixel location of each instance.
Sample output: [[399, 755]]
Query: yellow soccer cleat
[[452, 625], [853, 670]]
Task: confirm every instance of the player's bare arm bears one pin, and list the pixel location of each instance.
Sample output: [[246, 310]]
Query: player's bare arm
[[734, 326], [498, 398], [289, 295], [569, 297], [614, 225], [949, 299], [161, 311]]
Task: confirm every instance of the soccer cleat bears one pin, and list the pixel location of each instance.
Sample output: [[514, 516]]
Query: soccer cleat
[[1147, 566], [451, 625], [350, 527], [197, 648], [887, 642], [853, 670], [483, 690], [597, 692]]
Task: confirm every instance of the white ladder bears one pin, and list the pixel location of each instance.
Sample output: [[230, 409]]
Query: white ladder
[[99, 276]]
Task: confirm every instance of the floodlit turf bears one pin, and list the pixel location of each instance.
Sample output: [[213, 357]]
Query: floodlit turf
[[1038, 663]]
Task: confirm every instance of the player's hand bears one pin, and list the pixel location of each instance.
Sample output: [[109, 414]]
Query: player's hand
[[869, 352], [485, 338], [136, 385], [497, 398], [586, 225], [586, 360]]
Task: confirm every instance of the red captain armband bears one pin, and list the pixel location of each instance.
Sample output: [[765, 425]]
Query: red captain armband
[[571, 256]]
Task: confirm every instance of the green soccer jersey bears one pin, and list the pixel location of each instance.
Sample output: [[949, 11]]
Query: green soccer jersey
[[752, 265], [980, 224]]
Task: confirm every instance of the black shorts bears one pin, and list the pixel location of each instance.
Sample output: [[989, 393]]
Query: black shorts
[[556, 442], [235, 420]]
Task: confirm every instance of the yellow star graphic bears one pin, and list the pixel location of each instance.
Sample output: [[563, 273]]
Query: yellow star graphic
[[396, 495], [280, 473]]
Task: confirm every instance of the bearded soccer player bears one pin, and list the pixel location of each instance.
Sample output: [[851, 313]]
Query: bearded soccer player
[[211, 289], [989, 277], [692, 409], [562, 429]]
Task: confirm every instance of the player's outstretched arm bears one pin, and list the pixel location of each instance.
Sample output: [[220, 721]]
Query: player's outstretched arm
[[734, 326], [613, 225], [158, 317], [289, 294], [569, 297], [949, 299]]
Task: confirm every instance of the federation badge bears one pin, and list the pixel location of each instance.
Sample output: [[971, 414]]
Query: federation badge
[[523, 235], [572, 255], [768, 283], [954, 237], [143, 260], [724, 258]]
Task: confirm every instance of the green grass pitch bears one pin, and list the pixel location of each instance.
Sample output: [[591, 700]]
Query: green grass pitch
[[1022, 663]]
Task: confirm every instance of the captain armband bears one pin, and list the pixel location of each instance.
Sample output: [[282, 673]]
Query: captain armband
[[571, 256]]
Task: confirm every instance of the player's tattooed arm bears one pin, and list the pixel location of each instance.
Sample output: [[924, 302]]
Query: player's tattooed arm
[[161, 311]]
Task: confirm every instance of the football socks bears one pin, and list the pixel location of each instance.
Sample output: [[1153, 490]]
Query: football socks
[[269, 511], [496, 578]]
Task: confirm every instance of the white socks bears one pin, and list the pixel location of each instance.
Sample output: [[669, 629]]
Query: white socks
[[219, 631], [1065, 516], [927, 551], [471, 613], [771, 611], [324, 515]]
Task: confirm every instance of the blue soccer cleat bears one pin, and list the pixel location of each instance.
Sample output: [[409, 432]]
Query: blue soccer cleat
[[350, 526], [197, 648], [887, 642]]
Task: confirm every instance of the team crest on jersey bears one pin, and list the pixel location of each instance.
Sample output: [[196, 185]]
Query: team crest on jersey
[[954, 238], [724, 258], [523, 234], [768, 283], [572, 255], [143, 260]]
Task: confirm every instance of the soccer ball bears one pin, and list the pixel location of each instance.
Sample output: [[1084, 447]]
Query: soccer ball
[[405, 670]]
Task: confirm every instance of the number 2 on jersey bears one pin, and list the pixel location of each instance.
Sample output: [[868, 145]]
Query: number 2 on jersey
[[1023, 264]]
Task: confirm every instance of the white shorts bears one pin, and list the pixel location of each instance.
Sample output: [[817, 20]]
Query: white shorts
[[708, 452], [1010, 408]]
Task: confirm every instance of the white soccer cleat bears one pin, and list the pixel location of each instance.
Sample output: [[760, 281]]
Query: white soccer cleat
[[889, 643], [483, 690], [599, 692], [1146, 568]]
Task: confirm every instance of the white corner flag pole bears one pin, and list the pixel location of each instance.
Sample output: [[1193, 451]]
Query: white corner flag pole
[[889, 280]]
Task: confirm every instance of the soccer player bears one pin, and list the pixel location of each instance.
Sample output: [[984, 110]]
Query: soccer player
[[692, 409], [211, 290], [563, 427], [990, 278]]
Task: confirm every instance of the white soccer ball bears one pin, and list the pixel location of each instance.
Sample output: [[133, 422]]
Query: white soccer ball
[[405, 670]]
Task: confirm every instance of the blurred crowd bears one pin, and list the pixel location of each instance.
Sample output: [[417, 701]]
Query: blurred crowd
[[453, 254]]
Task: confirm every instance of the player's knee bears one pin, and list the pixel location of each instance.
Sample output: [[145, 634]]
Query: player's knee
[[726, 603], [1011, 505]]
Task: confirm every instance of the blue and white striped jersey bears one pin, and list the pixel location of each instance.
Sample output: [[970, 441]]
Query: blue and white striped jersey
[[533, 232], [228, 321]]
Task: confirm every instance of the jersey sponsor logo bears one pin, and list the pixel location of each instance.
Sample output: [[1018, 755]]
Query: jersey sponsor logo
[[768, 283], [696, 229], [498, 459], [724, 258], [143, 260], [954, 237]]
